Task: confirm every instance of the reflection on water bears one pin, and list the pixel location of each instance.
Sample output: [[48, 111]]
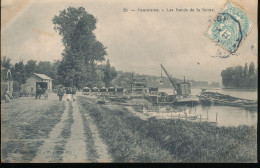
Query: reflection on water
[[226, 115]]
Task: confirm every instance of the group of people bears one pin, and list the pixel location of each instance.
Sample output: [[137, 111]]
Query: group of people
[[70, 93]]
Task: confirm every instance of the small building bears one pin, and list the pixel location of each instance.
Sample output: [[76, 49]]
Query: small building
[[184, 88], [35, 80]]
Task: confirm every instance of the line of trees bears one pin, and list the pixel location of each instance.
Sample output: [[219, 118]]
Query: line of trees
[[240, 77], [105, 73]]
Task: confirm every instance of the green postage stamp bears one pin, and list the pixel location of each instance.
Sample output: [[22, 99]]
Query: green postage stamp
[[230, 27]]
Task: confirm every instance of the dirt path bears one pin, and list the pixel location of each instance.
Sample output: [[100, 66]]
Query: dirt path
[[76, 145], [50, 131], [46, 151], [101, 147]]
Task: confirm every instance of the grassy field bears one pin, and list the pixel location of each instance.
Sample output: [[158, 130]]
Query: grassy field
[[25, 123], [131, 139]]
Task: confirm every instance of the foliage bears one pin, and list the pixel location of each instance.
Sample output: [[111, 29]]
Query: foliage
[[82, 50], [6, 62], [30, 67], [19, 74], [240, 77], [108, 73]]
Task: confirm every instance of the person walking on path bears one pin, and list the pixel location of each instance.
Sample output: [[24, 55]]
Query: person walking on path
[[60, 94], [68, 92], [73, 92]]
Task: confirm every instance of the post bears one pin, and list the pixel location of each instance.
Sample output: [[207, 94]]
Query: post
[[207, 114], [200, 117], [186, 116], [179, 117], [216, 117]]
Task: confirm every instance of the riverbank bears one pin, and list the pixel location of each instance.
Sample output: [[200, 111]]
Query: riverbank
[[131, 139]]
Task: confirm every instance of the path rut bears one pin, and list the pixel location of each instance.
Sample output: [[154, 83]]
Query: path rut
[[76, 143], [46, 151]]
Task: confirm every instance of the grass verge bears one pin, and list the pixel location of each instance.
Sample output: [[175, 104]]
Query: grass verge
[[90, 148], [124, 143]]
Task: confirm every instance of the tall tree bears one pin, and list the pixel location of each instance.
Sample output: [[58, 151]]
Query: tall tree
[[251, 69], [19, 75], [6, 62], [30, 67], [246, 70], [82, 50], [109, 73]]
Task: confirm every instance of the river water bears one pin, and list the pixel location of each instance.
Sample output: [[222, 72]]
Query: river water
[[225, 115]]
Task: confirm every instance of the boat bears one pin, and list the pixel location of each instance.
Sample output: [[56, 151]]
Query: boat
[[183, 90], [208, 97], [190, 101]]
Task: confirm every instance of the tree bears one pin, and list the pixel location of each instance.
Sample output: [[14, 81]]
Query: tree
[[30, 67], [246, 70], [6, 62], [239, 76], [82, 49], [251, 69], [19, 74], [109, 73]]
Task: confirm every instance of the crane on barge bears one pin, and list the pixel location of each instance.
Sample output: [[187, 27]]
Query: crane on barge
[[183, 90]]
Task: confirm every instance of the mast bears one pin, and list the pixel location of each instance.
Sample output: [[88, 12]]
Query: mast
[[170, 79]]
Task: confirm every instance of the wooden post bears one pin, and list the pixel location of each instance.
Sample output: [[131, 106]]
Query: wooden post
[[217, 118], [186, 116], [200, 117], [207, 114]]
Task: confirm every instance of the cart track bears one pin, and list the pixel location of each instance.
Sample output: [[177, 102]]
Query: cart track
[[46, 153], [75, 147]]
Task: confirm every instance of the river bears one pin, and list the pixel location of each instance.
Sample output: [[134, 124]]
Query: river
[[226, 115]]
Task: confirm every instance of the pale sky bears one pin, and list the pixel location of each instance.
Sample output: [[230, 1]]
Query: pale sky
[[136, 41]]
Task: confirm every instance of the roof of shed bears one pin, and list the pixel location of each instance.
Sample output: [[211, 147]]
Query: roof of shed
[[42, 76]]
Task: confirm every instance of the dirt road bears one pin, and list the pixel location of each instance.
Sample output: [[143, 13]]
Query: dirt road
[[49, 131]]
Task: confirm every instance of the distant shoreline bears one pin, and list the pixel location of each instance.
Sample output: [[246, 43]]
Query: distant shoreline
[[239, 89]]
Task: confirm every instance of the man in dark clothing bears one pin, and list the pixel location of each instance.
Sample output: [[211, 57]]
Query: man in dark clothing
[[38, 92], [73, 92], [60, 94]]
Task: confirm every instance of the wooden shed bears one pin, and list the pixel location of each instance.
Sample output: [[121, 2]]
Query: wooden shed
[[35, 80]]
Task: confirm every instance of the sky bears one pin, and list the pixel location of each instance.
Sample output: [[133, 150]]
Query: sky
[[136, 41]]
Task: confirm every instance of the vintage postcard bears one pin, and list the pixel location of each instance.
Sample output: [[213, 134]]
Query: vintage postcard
[[158, 81]]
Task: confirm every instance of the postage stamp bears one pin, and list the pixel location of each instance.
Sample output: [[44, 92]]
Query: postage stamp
[[230, 27]]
